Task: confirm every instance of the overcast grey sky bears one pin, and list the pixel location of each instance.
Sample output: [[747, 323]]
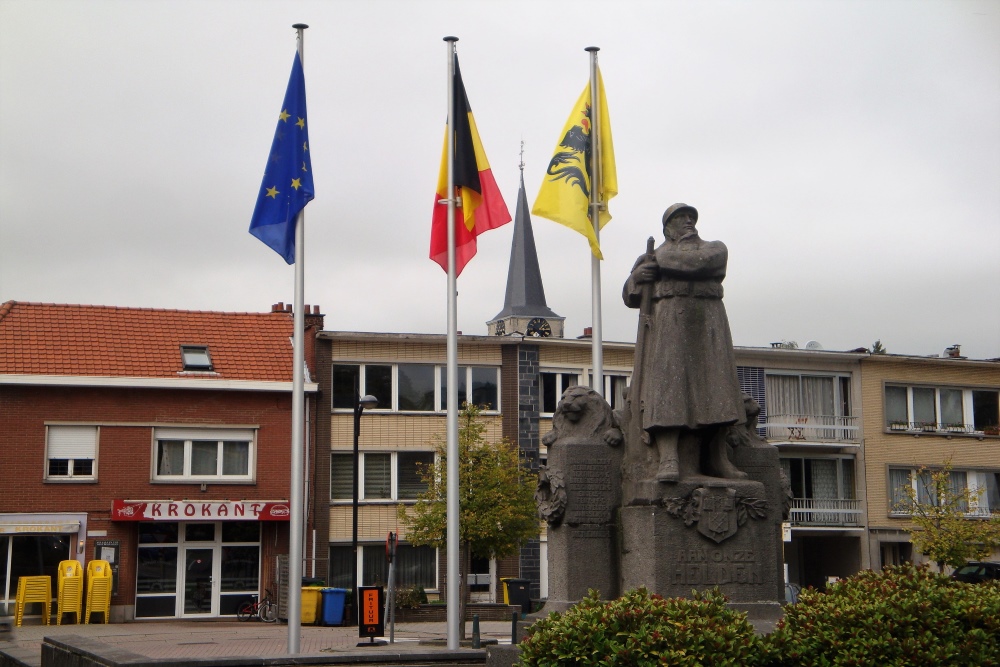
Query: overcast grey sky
[[848, 153]]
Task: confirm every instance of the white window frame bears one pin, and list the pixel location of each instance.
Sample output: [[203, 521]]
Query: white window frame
[[608, 393], [564, 380], [360, 563], [393, 472], [190, 435], [72, 443], [841, 403], [968, 416], [196, 358], [440, 375], [978, 502]]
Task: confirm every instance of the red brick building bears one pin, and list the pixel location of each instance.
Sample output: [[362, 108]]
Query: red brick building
[[155, 439]]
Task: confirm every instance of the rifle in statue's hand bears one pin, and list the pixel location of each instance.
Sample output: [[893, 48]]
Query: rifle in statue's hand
[[645, 322]]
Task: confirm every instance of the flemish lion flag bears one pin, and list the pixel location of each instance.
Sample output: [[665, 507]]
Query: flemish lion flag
[[565, 193], [483, 207]]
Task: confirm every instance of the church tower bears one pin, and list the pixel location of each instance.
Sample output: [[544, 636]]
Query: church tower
[[524, 310]]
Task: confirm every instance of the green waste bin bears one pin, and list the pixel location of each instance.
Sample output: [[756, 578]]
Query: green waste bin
[[517, 592], [310, 604], [333, 606]]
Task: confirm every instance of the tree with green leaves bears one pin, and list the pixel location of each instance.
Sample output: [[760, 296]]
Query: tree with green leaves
[[496, 499], [945, 531]]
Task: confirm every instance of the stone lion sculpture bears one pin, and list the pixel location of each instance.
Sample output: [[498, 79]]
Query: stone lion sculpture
[[583, 415]]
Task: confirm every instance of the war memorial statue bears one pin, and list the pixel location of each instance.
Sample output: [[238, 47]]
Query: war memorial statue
[[697, 499]]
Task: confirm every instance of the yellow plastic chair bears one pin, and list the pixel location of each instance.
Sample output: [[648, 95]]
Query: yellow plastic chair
[[33, 589], [69, 598], [98, 590]]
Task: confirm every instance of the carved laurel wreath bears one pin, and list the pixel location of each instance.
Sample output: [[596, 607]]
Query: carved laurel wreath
[[688, 508]]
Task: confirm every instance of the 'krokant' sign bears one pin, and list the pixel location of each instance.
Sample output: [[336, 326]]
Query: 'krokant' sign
[[190, 510]]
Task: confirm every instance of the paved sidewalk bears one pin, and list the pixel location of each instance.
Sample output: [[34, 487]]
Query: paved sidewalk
[[214, 638]]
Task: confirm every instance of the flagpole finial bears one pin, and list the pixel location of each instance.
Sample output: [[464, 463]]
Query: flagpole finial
[[451, 38], [300, 26], [593, 49]]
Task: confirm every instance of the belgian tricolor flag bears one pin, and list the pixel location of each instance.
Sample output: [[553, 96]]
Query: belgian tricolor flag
[[483, 207]]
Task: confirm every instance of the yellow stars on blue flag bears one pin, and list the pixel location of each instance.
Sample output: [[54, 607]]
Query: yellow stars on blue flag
[[286, 188]]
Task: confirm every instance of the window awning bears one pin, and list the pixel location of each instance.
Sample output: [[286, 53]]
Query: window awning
[[27, 528]]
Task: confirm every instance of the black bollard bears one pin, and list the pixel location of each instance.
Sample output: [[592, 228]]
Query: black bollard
[[475, 631], [514, 618]]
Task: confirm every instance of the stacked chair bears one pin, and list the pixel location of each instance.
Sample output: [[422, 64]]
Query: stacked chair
[[69, 598], [33, 589], [98, 590]]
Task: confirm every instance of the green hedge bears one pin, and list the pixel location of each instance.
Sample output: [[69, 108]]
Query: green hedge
[[902, 616], [643, 629]]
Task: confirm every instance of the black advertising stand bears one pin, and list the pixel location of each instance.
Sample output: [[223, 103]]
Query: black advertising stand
[[371, 619]]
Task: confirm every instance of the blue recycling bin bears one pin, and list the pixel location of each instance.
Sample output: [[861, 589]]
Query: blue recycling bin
[[333, 605]]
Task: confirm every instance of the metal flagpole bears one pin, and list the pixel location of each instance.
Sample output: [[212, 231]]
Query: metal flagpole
[[453, 583], [297, 514], [597, 339]]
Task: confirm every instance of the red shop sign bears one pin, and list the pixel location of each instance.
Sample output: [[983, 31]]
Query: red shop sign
[[188, 510]]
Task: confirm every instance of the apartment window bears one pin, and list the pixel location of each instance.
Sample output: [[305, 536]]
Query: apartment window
[[812, 395], [196, 358], [341, 476], [200, 455], [983, 487], [952, 409], [477, 385], [985, 410], [414, 387], [615, 387], [383, 475], [820, 477], [71, 452], [346, 386], [414, 566], [553, 386], [376, 473], [412, 468]]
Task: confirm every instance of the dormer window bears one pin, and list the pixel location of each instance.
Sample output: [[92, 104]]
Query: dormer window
[[195, 358]]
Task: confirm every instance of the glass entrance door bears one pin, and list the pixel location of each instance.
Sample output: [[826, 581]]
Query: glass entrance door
[[196, 569], [198, 579]]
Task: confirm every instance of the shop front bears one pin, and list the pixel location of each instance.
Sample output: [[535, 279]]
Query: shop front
[[33, 545], [197, 559]]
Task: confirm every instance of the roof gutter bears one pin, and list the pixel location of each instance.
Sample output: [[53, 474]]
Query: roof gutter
[[150, 383]]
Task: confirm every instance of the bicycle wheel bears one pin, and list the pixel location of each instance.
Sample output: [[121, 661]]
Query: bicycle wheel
[[268, 611], [246, 610]]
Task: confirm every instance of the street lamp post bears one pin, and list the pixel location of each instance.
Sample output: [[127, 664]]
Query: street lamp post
[[362, 402]]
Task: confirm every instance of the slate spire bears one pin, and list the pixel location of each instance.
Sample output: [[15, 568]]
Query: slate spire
[[525, 295]]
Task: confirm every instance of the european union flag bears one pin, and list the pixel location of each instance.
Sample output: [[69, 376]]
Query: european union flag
[[288, 184]]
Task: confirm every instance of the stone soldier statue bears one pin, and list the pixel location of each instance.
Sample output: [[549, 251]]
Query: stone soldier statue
[[688, 391]]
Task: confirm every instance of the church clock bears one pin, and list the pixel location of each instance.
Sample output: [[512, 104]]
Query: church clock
[[538, 327]]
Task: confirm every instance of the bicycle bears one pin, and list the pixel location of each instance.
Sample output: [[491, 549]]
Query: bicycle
[[265, 609]]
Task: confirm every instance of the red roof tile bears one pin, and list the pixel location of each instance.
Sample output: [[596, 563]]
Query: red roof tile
[[54, 339]]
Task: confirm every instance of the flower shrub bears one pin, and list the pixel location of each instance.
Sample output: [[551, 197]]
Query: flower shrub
[[641, 629], [900, 616], [411, 598]]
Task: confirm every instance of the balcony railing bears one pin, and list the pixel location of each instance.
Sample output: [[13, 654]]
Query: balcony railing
[[947, 429], [825, 512], [812, 428]]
